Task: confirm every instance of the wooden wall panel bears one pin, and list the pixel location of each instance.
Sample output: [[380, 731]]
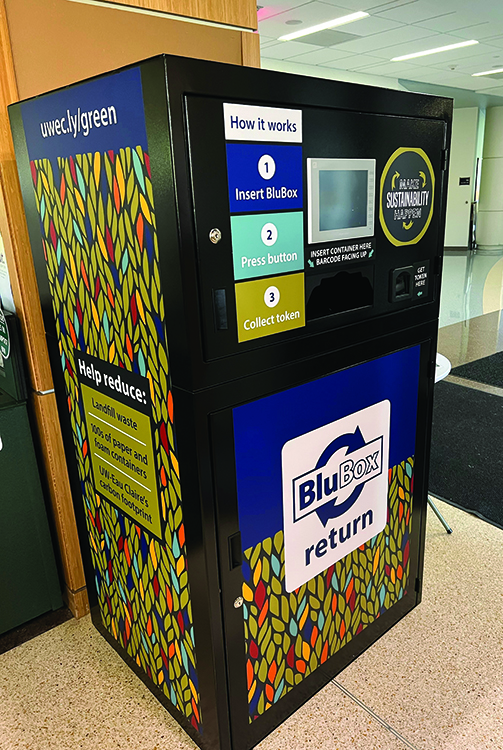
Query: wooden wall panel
[[250, 50], [46, 44], [25, 294], [14, 231], [56, 42], [233, 12], [23, 280]]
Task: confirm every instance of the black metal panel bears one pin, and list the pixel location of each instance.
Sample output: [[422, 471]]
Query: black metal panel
[[329, 133], [198, 145], [212, 373], [223, 458]]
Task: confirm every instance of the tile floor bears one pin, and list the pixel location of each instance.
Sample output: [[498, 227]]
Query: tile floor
[[434, 682]]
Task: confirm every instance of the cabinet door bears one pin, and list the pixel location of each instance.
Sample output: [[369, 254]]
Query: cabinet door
[[29, 584], [321, 492]]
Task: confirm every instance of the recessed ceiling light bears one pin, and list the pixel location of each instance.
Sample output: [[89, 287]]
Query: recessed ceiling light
[[435, 50], [488, 72], [293, 22], [341, 21]]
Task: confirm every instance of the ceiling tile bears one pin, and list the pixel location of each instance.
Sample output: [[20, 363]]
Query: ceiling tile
[[279, 6], [446, 78], [369, 5], [460, 82], [409, 72], [483, 84], [464, 56], [495, 41], [309, 13], [466, 6], [328, 38], [497, 91], [475, 64], [451, 22], [395, 70], [266, 41], [483, 32], [372, 25], [430, 74], [414, 12], [284, 50], [319, 56], [388, 38], [353, 62], [403, 47]]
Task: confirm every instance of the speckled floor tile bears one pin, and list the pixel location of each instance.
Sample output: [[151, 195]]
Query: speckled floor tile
[[69, 689], [437, 676], [330, 721]]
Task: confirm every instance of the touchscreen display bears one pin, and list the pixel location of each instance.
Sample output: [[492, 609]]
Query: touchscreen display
[[343, 198]]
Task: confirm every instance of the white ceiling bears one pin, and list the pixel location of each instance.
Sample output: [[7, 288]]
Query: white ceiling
[[393, 28]]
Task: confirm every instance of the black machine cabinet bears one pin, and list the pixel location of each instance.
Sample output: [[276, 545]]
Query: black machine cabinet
[[240, 273]]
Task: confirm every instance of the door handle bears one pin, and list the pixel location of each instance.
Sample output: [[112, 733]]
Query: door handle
[[235, 551]]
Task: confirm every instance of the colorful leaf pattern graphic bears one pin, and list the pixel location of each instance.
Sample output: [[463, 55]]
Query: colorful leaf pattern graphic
[[289, 635], [100, 245]]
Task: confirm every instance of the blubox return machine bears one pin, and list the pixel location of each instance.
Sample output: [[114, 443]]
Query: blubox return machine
[[239, 273]]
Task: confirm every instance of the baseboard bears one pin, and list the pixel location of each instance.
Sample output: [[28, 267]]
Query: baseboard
[[77, 602]]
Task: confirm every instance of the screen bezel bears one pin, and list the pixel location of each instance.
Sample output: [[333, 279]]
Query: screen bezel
[[314, 166]]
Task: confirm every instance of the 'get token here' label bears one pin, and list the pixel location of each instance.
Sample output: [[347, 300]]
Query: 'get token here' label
[[272, 305]]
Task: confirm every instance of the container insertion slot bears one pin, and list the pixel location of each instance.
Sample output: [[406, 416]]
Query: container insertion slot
[[340, 292]]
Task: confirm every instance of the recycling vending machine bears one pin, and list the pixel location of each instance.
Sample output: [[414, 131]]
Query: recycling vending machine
[[239, 273]]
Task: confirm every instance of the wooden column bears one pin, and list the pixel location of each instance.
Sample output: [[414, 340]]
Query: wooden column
[[250, 49], [231, 12], [46, 44], [25, 294]]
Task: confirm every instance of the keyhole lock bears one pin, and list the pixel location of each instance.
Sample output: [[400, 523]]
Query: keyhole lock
[[238, 602], [215, 236]]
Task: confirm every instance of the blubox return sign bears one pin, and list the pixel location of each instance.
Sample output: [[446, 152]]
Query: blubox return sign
[[118, 418], [335, 491]]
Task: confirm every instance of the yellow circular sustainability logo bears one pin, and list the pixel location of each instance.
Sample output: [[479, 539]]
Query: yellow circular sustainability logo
[[406, 196]]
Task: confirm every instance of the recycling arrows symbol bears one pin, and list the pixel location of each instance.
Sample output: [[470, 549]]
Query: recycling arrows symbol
[[351, 441]]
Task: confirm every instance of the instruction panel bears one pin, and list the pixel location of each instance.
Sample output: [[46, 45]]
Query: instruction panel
[[266, 200]]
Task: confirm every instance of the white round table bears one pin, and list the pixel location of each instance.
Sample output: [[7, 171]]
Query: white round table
[[442, 369]]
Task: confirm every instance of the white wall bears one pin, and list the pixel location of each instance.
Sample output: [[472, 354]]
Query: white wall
[[462, 164], [490, 214], [317, 71]]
